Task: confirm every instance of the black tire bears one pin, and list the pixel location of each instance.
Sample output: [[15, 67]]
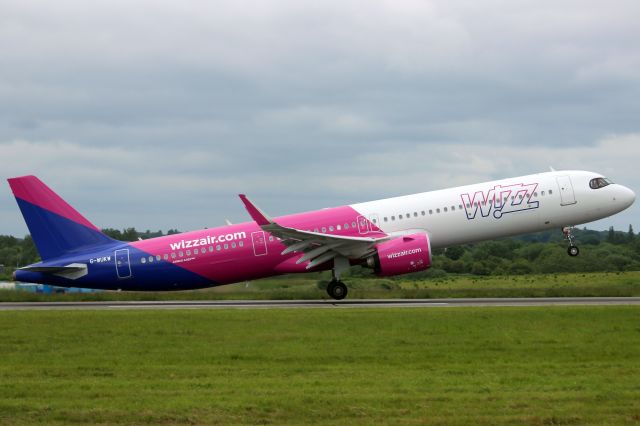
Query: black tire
[[573, 251], [337, 290]]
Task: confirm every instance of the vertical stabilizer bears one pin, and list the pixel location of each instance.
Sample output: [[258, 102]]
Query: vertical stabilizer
[[57, 228]]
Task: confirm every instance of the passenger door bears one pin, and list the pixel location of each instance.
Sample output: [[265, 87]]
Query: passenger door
[[567, 196], [123, 265]]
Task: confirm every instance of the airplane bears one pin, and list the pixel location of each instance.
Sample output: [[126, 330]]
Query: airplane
[[392, 236]]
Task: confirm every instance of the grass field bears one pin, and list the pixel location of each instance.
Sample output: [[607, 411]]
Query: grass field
[[306, 286], [539, 366]]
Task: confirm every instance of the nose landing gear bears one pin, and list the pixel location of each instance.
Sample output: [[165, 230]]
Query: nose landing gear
[[573, 249]]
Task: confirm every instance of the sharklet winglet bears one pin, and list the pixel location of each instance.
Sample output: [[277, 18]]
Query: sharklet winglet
[[256, 214]]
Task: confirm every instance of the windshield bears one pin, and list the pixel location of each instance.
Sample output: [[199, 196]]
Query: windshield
[[600, 182]]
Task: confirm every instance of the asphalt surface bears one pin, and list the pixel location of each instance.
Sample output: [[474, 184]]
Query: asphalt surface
[[355, 303]]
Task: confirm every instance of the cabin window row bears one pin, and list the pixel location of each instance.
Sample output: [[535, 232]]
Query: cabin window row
[[183, 253], [332, 228], [460, 207]]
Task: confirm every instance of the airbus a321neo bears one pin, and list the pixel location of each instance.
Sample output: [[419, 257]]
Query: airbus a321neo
[[392, 236]]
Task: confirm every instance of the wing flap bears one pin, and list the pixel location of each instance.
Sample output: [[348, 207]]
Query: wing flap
[[318, 248]]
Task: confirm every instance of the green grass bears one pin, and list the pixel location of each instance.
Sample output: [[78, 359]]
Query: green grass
[[539, 366], [623, 284]]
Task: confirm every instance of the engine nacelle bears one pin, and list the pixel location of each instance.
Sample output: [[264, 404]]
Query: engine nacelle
[[402, 255]]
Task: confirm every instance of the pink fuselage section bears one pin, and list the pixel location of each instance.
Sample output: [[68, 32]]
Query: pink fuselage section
[[244, 251]]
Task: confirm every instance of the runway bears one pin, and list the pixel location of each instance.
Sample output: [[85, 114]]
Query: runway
[[355, 303]]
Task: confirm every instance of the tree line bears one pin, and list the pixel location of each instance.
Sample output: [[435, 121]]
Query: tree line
[[543, 252]]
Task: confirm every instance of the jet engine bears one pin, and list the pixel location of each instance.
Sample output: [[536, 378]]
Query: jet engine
[[402, 255]]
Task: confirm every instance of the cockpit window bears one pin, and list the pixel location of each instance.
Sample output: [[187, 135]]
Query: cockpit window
[[599, 183]]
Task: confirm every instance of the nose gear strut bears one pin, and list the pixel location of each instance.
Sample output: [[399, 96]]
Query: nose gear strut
[[573, 249]]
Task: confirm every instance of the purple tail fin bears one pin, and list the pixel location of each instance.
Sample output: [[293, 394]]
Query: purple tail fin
[[57, 228]]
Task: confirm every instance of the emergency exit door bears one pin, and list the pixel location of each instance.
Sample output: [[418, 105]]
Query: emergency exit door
[[259, 243]]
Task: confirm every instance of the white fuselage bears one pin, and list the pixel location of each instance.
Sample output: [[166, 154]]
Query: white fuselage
[[499, 208]]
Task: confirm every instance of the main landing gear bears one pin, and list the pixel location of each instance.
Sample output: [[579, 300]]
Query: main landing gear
[[573, 249], [336, 288]]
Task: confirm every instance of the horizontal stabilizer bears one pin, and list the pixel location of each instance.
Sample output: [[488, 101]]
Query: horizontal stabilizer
[[53, 269], [72, 271]]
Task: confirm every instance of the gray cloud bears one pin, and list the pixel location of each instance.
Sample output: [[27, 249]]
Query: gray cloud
[[155, 114]]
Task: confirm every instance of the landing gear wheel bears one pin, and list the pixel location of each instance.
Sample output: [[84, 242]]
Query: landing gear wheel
[[573, 250], [337, 290]]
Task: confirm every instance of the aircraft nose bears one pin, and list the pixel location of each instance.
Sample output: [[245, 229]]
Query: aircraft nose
[[627, 196]]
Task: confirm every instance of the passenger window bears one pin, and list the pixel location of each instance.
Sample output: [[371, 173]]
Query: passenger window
[[550, 192], [324, 230], [445, 209], [158, 257], [346, 226], [453, 208], [542, 193], [166, 256], [415, 214], [353, 225], [393, 218], [430, 211], [173, 255], [226, 246], [460, 206], [385, 219], [233, 245], [143, 260], [218, 247], [331, 229], [196, 251], [338, 227], [150, 259], [437, 210], [241, 244], [399, 216], [211, 248], [423, 212], [188, 252]]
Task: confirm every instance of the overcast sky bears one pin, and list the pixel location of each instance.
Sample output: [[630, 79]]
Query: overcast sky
[[156, 114]]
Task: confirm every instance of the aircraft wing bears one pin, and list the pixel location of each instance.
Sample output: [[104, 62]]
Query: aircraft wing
[[318, 248]]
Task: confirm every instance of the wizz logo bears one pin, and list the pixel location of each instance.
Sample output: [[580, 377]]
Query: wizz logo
[[500, 200]]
